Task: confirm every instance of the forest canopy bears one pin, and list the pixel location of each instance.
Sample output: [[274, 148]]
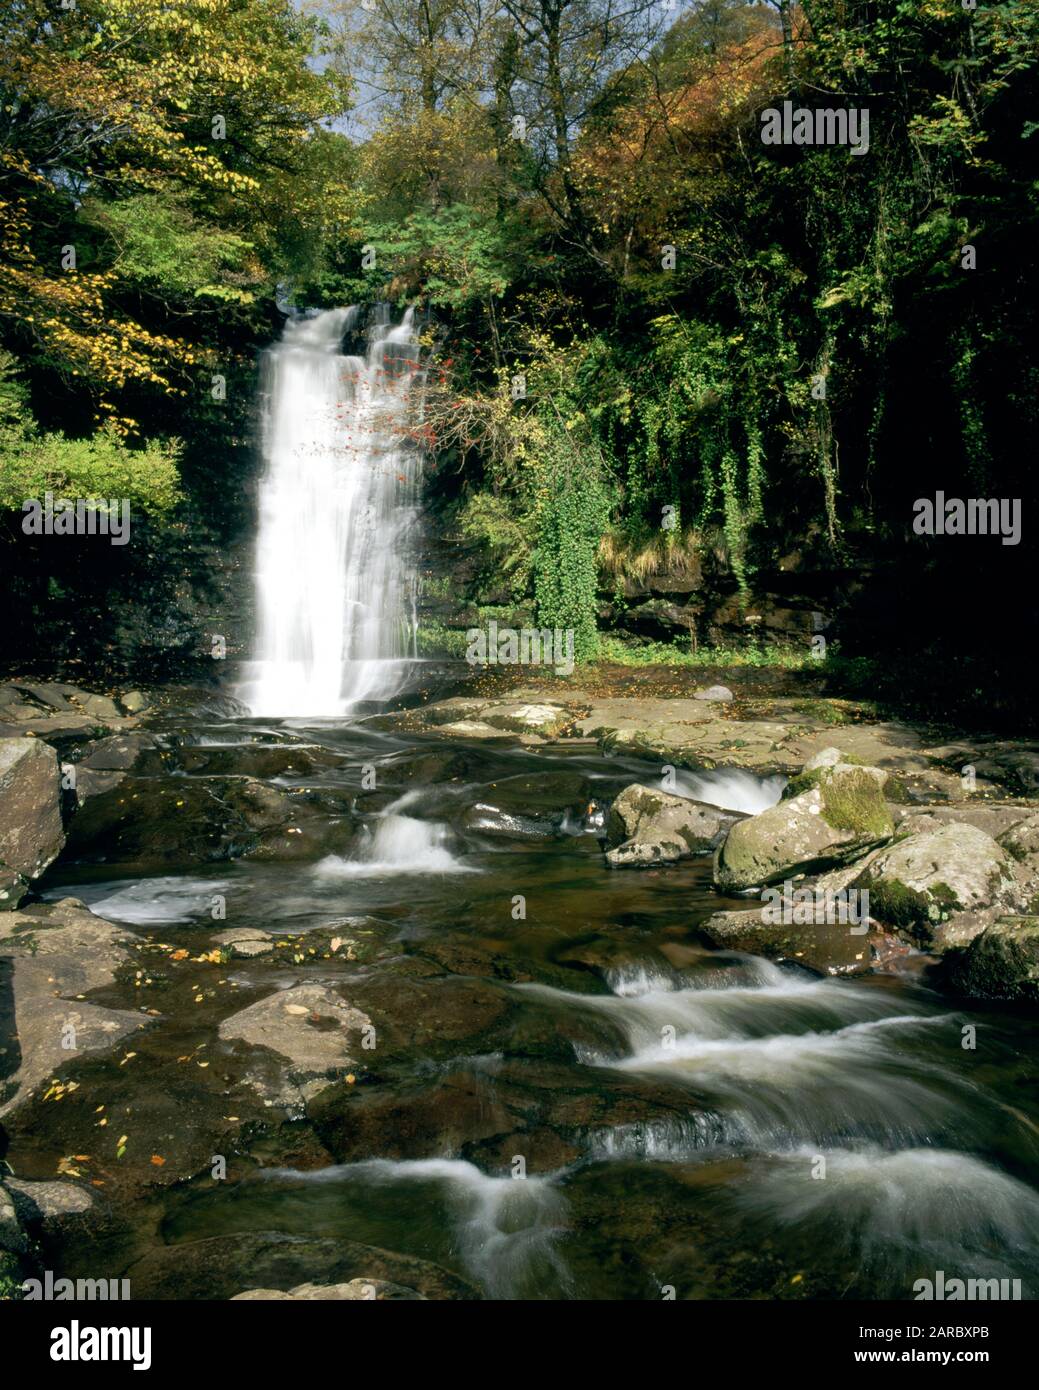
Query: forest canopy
[[649, 331]]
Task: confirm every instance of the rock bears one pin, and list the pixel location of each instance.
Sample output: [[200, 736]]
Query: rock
[[547, 720], [1002, 962], [714, 692], [356, 1289], [162, 820], [117, 753], [100, 706], [839, 817], [827, 948], [219, 1266], [134, 701], [646, 826], [59, 952], [525, 806], [312, 1028], [246, 941], [826, 757], [1021, 840], [48, 1202], [31, 835], [994, 818], [931, 886], [12, 1238]]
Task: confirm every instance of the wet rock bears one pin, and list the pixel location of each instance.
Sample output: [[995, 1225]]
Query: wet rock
[[118, 752], [839, 817], [932, 886], [529, 806], [223, 1266], [646, 827], [827, 948], [370, 1290], [309, 1026], [246, 941], [31, 834], [410, 1120], [134, 701], [1001, 962], [59, 952], [146, 821], [48, 1204], [420, 1012]]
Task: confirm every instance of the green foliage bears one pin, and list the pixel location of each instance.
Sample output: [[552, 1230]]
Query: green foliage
[[572, 512], [162, 245], [506, 552], [102, 466], [458, 256]]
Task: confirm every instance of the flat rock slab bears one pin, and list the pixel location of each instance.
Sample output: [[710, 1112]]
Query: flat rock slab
[[824, 948], [311, 1027], [59, 952]]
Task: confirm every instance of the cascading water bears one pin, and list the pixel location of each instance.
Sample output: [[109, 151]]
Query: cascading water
[[335, 582]]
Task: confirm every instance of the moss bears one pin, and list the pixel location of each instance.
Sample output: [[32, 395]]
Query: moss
[[803, 782], [895, 903], [853, 801], [896, 790], [945, 898]]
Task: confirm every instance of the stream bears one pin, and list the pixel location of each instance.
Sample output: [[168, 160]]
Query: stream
[[582, 1101]]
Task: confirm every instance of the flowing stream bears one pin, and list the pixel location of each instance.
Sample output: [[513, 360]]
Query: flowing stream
[[583, 1101]]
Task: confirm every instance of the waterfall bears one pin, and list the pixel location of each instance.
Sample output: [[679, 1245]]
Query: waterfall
[[335, 584]]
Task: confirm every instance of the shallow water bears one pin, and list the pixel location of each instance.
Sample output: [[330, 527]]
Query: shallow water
[[641, 1114]]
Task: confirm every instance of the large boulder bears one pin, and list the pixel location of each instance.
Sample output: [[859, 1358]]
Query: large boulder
[[1001, 963], [647, 827], [935, 887], [835, 815], [31, 834]]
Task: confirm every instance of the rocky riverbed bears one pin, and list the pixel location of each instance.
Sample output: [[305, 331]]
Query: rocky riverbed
[[479, 997]]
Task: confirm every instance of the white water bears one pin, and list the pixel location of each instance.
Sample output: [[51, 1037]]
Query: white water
[[731, 788], [505, 1228], [335, 586], [400, 845], [774, 1057]]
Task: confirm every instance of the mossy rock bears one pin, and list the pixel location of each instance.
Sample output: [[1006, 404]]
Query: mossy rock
[[838, 817], [924, 880], [1001, 963]]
